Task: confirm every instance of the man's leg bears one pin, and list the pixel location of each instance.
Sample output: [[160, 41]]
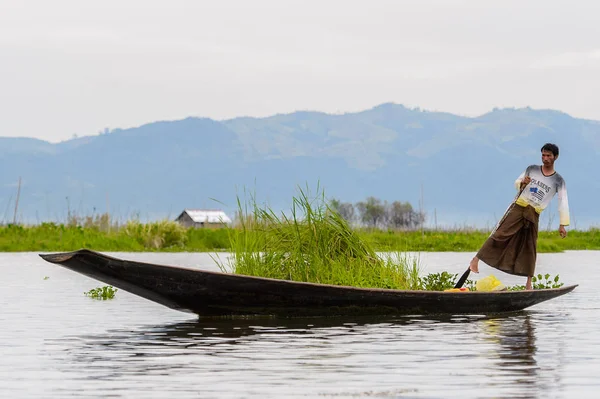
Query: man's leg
[[474, 265], [528, 285]]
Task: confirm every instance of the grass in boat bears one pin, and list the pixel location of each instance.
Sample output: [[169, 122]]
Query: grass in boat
[[312, 243]]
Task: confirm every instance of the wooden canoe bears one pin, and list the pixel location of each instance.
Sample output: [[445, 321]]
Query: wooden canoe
[[222, 294]]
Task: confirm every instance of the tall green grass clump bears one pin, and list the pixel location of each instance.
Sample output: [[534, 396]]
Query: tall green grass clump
[[311, 244], [158, 235]]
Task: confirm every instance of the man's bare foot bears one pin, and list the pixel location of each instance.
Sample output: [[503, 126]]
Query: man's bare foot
[[528, 286], [474, 265]]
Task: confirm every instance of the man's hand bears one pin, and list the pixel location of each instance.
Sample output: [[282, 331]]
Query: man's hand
[[562, 231], [526, 181]]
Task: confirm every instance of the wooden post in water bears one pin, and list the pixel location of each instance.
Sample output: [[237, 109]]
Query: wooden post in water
[[17, 202], [422, 216], [107, 213], [5, 217]]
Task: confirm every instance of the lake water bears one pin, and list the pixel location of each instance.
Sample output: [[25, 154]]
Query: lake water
[[57, 343]]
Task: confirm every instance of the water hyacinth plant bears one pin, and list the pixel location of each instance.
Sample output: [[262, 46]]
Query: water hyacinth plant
[[540, 282], [438, 281], [312, 243], [103, 293]]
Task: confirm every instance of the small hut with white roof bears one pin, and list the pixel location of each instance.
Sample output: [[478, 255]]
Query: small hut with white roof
[[211, 218]]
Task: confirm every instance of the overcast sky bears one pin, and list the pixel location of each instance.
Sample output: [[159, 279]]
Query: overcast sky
[[78, 66]]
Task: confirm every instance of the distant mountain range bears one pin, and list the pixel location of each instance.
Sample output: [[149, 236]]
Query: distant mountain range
[[461, 168]]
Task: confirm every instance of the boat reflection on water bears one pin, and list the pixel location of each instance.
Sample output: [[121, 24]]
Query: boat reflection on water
[[515, 343], [512, 336], [495, 355], [516, 353]]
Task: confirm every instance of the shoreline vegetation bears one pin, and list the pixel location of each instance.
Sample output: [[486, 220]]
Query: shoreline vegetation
[[385, 226], [168, 236]]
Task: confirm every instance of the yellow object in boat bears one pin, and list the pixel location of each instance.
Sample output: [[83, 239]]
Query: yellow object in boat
[[489, 283]]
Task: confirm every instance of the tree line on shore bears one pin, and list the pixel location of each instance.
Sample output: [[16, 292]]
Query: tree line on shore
[[375, 213]]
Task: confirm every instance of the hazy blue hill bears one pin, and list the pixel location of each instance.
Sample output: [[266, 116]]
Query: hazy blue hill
[[12, 145], [465, 167]]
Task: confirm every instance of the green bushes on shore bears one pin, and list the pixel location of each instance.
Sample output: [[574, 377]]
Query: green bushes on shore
[[471, 240], [169, 236], [131, 237]]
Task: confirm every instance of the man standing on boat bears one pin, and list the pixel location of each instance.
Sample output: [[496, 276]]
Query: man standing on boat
[[512, 246]]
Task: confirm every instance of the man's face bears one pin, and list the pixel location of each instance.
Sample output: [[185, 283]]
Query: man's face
[[548, 158]]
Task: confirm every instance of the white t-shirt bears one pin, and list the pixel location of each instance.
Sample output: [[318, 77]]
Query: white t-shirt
[[540, 191]]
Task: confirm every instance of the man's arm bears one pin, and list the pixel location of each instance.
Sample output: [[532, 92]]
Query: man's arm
[[523, 180], [563, 209]]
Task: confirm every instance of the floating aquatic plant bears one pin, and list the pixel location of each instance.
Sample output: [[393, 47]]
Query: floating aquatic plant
[[541, 282], [103, 293]]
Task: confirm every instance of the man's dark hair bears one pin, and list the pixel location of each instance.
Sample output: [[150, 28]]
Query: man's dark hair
[[553, 148]]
